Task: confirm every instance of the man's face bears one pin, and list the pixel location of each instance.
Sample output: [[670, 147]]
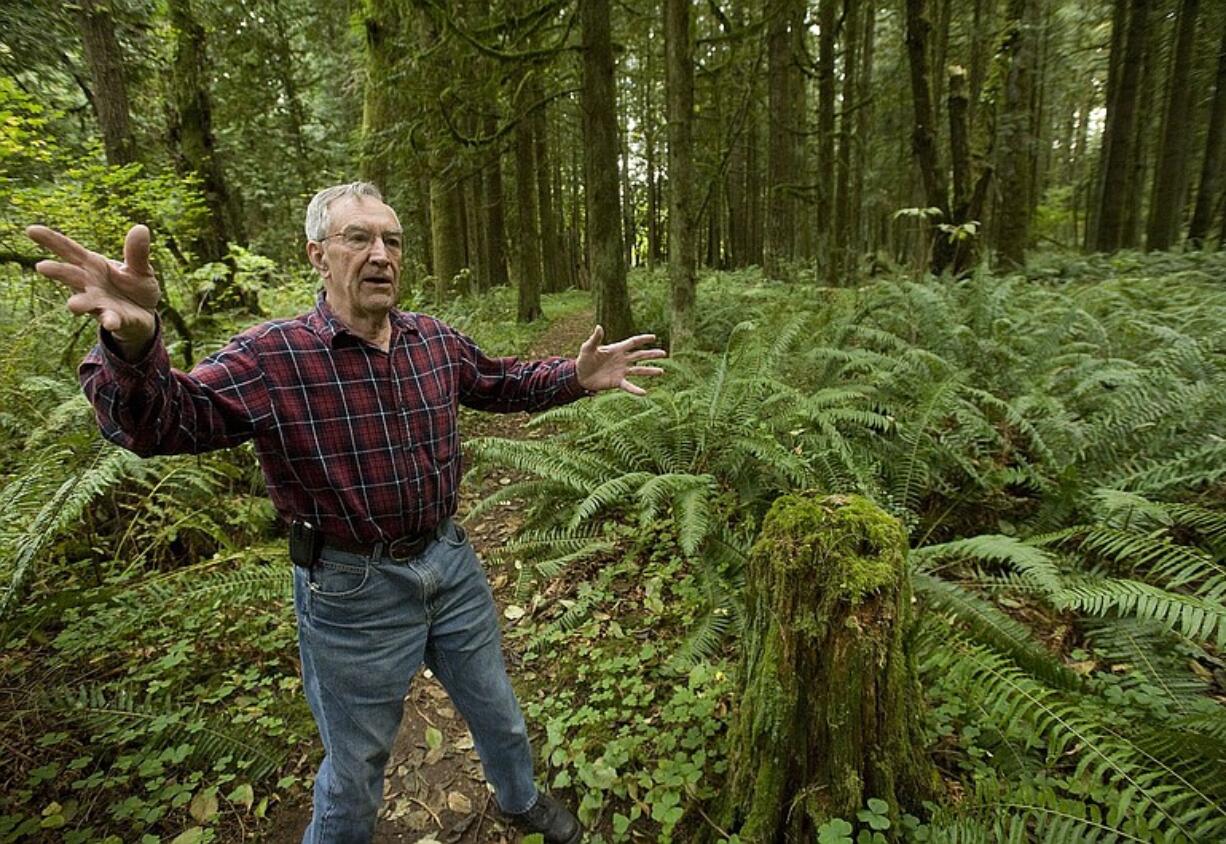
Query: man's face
[[359, 258]]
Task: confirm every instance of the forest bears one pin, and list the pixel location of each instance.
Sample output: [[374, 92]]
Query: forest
[[920, 537]]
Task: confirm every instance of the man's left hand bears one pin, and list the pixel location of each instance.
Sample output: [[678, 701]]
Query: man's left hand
[[608, 367]]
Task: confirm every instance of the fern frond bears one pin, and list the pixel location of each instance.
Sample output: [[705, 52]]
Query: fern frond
[[991, 626], [1196, 618]]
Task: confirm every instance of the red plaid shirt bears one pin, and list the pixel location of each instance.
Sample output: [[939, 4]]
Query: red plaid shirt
[[361, 442]]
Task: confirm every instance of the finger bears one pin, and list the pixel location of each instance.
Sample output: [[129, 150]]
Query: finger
[[644, 370], [647, 354], [632, 389], [61, 245], [590, 344], [109, 320], [634, 342], [136, 250], [68, 274], [81, 304]]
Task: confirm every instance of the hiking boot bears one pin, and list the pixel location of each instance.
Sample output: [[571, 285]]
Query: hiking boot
[[549, 818]]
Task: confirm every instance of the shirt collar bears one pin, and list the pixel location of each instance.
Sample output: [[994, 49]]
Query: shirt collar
[[324, 322]]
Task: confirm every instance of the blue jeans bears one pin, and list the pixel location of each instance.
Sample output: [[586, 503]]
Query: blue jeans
[[365, 625]]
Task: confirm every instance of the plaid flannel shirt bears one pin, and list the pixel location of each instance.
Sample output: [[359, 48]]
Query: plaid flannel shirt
[[361, 442]]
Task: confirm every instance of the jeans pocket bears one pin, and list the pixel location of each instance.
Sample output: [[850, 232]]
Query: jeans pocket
[[336, 579], [455, 535]]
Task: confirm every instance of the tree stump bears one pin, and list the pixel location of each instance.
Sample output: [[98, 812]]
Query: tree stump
[[829, 702]]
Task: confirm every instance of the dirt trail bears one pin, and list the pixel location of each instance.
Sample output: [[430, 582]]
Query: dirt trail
[[439, 793]]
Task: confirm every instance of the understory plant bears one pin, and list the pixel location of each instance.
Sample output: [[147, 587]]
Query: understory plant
[[1055, 452]]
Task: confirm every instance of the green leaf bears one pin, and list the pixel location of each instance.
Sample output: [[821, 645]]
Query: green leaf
[[243, 795], [834, 831], [189, 836], [434, 738]]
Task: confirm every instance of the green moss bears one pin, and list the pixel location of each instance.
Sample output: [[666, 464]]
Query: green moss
[[843, 544]]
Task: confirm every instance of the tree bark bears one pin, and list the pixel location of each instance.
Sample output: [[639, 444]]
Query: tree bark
[[1115, 61], [529, 235], [1170, 176], [553, 277], [1119, 134], [1015, 137], [828, 710], [110, 88], [827, 35], [493, 214], [923, 136], [600, 135], [780, 163], [679, 67], [382, 23], [1215, 153], [841, 246], [446, 233], [195, 151]]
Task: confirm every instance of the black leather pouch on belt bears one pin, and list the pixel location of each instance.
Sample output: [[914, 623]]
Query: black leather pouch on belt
[[305, 543]]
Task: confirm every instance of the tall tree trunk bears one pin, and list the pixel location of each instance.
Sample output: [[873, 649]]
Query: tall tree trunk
[[864, 124], [1170, 176], [780, 164], [1215, 152], [648, 127], [552, 273], [110, 88], [380, 113], [1151, 91], [1119, 133], [474, 233], [446, 233], [528, 236], [600, 139], [828, 32], [679, 67], [923, 136], [494, 210], [1015, 136], [1115, 63], [629, 229], [842, 245], [195, 150]]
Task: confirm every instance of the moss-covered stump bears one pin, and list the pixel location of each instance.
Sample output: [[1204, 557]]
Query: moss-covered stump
[[828, 709]]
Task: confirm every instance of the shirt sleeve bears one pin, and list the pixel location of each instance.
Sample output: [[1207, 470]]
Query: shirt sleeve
[[149, 408], [507, 385]]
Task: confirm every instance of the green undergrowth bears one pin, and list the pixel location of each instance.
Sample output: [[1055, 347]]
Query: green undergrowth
[[1051, 442], [625, 728]]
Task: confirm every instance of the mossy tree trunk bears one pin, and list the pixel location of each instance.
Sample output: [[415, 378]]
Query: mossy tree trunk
[[828, 709]]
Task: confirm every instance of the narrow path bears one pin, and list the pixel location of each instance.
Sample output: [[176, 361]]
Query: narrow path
[[435, 790]]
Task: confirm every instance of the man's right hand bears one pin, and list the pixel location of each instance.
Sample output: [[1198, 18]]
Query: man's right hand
[[121, 297]]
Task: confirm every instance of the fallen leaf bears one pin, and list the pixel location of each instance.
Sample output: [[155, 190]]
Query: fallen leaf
[[514, 612], [459, 803]]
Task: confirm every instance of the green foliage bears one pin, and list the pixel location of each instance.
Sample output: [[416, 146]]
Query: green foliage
[[1055, 452]]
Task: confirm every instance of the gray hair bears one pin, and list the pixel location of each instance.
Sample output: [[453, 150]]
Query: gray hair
[[317, 219]]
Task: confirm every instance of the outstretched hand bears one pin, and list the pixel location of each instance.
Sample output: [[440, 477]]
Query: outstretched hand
[[120, 296], [608, 367]]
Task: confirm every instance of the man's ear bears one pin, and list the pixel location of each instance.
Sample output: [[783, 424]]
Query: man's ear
[[315, 254]]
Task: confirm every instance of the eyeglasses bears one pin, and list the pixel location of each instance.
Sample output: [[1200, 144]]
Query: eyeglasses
[[359, 240]]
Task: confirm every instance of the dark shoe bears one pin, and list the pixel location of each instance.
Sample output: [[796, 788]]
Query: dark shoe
[[551, 819]]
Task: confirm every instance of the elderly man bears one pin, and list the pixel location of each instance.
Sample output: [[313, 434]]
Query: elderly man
[[352, 408]]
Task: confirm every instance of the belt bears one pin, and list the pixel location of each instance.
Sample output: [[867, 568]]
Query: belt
[[401, 548]]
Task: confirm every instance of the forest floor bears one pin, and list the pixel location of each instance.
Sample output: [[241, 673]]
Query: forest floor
[[439, 793]]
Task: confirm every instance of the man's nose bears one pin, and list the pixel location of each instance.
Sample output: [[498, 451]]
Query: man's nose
[[378, 251]]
